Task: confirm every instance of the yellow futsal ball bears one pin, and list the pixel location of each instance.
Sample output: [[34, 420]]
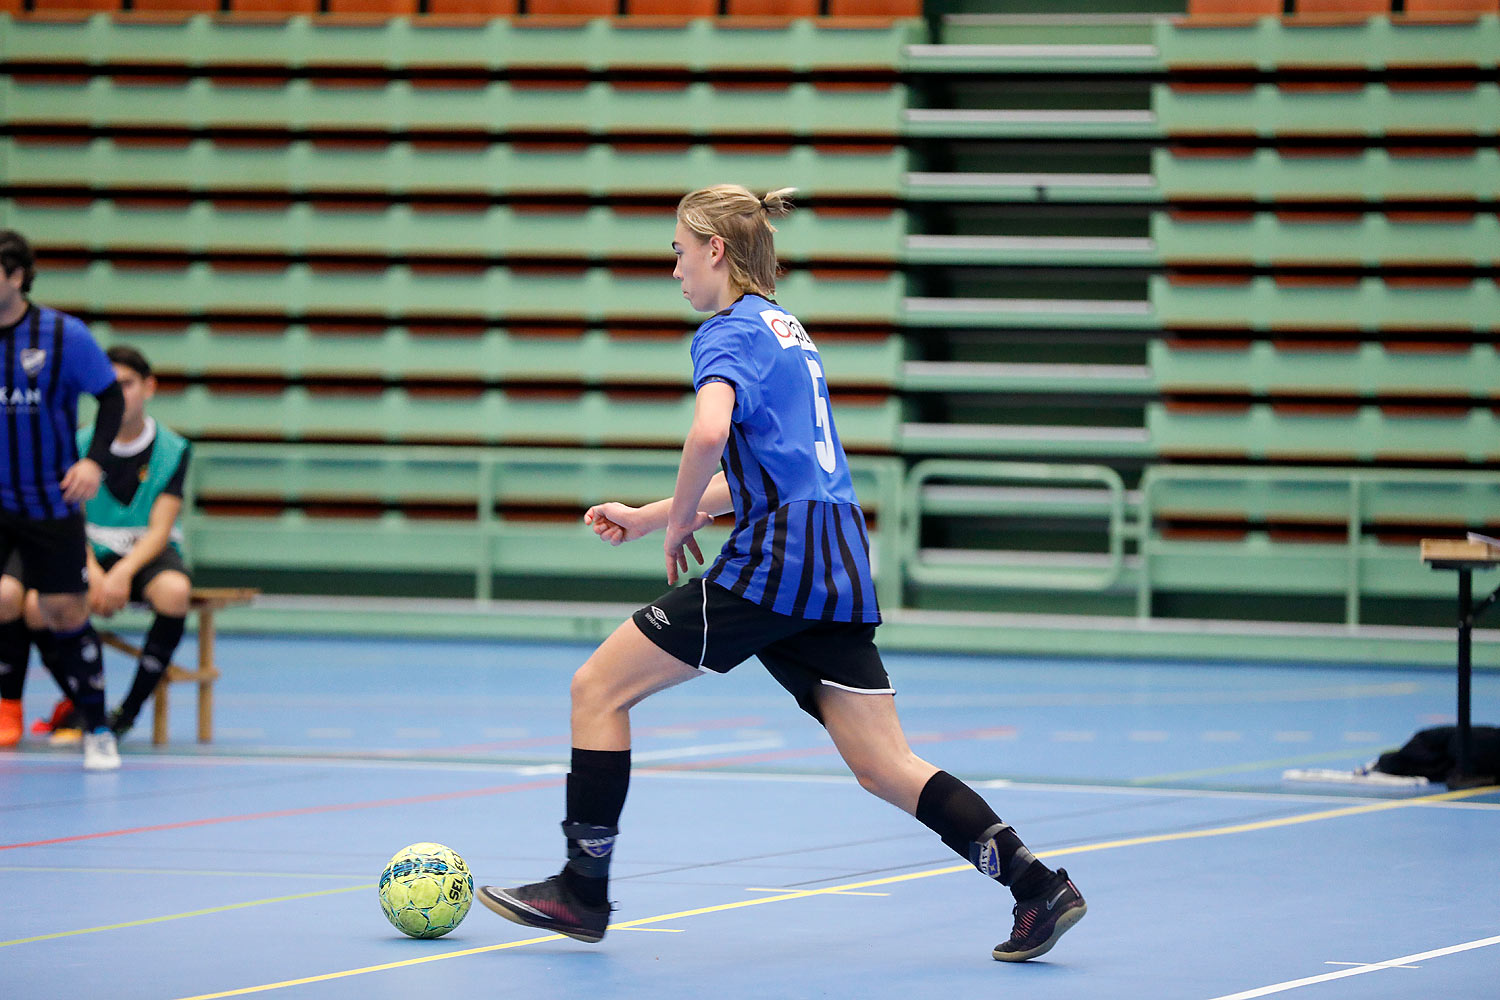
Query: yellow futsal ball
[[426, 890]]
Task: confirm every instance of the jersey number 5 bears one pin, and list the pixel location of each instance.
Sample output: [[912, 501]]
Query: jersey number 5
[[824, 445]]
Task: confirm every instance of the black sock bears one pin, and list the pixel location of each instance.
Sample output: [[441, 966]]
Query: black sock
[[79, 657], [46, 647], [596, 795], [15, 649], [970, 828], [156, 653]]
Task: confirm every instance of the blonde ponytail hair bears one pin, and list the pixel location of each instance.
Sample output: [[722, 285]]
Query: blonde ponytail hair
[[743, 222]]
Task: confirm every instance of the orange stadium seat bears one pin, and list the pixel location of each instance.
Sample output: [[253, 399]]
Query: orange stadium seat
[[472, 8], [175, 6], [875, 8], [392, 8], [70, 6], [1238, 9], [1428, 9], [273, 6], [773, 8], [574, 8], [673, 8], [1342, 9]]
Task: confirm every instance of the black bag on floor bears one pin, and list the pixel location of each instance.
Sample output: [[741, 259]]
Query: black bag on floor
[[1433, 754]]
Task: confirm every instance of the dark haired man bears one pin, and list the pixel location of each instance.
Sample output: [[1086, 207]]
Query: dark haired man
[[47, 359]]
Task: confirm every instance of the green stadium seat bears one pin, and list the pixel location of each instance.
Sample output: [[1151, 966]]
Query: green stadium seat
[[1367, 304], [1371, 238], [1369, 174], [1351, 370], [1378, 43], [402, 168], [1323, 432], [1372, 110]]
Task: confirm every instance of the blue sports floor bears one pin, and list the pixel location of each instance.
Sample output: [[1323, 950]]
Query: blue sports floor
[[750, 865]]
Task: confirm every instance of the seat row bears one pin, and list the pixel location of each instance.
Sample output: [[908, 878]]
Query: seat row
[[1432, 34], [260, 164], [498, 107], [367, 47], [405, 293], [376, 235], [558, 356]]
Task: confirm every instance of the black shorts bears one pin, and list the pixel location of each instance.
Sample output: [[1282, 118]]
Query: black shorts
[[170, 559], [707, 627], [51, 552]]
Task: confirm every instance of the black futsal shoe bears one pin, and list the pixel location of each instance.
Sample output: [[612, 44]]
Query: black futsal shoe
[[550, 905], [1041, 920]]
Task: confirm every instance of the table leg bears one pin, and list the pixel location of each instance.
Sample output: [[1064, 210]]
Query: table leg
[[1465, 671], [205, 670]]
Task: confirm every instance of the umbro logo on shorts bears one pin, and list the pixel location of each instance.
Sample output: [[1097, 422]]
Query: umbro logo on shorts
[[659, 617]]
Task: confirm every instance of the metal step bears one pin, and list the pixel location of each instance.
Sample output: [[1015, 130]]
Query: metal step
[[1076, 250], [1031, 187], [986, 123], [986, 376]]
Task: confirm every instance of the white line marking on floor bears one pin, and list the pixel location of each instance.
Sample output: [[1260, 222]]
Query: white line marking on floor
[[1221, 736], [707, 749], [1361, 970], [1380, 965]]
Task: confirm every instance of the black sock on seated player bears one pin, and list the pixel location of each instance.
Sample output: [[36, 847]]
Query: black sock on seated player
[[970, 828], [597, 786], [156, 654]]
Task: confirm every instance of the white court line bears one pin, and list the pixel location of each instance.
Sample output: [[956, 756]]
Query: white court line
[[1361, 970]]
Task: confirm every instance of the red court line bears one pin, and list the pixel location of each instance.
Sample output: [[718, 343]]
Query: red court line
[[306, 811], [691, 765]]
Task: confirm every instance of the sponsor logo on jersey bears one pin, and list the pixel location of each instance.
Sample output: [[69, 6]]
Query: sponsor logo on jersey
[[789, 332], [20, 397]]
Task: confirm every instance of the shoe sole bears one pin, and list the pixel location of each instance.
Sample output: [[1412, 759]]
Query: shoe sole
[[1064, 922], [496, 906]]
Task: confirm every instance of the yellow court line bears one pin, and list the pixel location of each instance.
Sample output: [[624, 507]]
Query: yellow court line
[[181, 916], [888, 880]]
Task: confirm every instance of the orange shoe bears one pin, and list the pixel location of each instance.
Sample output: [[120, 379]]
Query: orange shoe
[[61, 713], [10, 722]]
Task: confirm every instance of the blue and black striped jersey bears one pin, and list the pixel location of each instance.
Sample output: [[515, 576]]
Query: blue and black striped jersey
[[799, 545], [47, 358]]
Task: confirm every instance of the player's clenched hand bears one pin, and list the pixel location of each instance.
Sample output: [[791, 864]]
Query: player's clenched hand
[[114, 591], [679, 542], [616, 522], [81, 482]]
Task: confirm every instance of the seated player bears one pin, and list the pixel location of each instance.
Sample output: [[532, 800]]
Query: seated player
[[135, 549]]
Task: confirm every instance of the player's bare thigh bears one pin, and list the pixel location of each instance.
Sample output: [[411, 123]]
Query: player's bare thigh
[[625, 669]]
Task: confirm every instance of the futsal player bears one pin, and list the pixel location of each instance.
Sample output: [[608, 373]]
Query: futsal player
[[20, 627], [135, 545], [49, 359], [792, 586]]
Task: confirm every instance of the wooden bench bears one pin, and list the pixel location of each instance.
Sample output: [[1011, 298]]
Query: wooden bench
[[205, 601]]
